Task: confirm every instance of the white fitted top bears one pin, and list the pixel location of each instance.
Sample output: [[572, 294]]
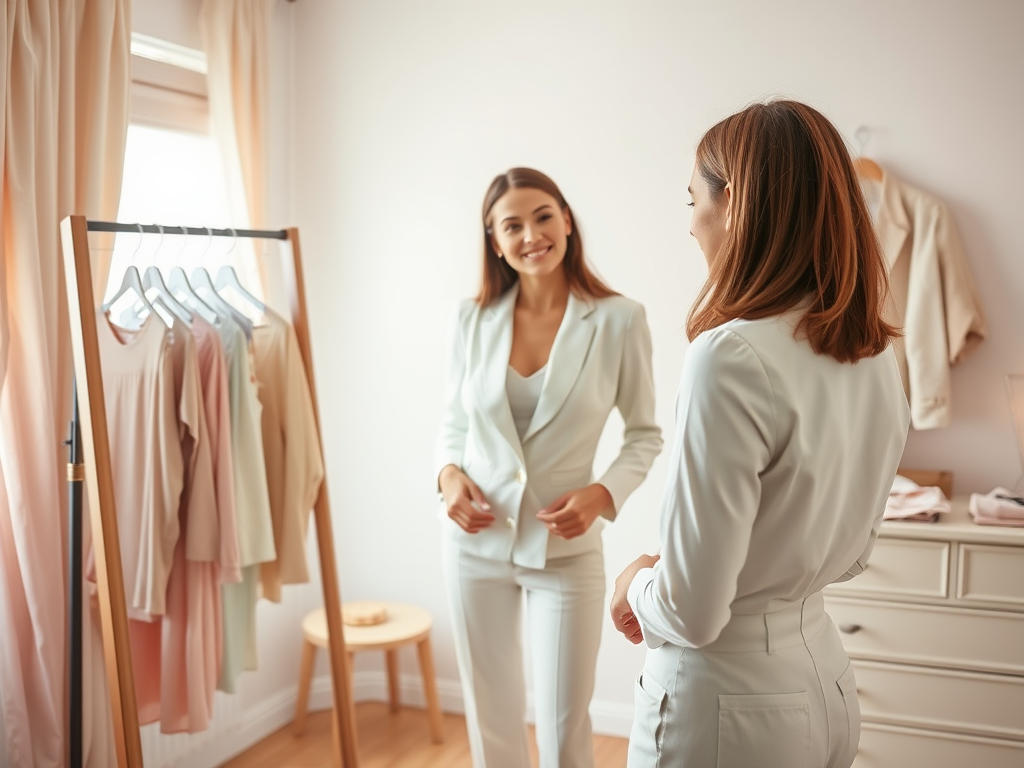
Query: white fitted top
[[523, 395], [781, 466]]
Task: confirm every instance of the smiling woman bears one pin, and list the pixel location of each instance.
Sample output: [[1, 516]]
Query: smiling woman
[[537, 362], [510, 195]]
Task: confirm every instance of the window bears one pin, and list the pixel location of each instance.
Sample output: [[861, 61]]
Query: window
[[172, 167]]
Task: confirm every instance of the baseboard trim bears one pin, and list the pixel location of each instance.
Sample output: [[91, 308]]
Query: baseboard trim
[[216, 746], [608, 718], [253, 724]]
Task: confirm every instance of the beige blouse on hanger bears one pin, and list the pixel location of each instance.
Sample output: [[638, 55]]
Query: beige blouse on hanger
[[291, 449]]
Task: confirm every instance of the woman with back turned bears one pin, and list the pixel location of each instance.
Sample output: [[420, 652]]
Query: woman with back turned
[[790, 422]]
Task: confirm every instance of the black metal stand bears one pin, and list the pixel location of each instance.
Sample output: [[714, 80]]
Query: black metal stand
[[76, 477]]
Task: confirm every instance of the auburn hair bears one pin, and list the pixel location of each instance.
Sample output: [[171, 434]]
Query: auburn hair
[[799, 229], [498, 276]]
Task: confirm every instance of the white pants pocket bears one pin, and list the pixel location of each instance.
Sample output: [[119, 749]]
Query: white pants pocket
[[648, 732], [848, 687], [771, 730]]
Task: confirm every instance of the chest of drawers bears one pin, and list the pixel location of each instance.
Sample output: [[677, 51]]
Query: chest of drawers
[[935, 630]]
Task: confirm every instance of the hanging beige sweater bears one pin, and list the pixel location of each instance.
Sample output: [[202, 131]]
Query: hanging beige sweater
[[291, 448]]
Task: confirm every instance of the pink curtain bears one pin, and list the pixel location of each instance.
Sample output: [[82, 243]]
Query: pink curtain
[[236, 35], [65, 97]]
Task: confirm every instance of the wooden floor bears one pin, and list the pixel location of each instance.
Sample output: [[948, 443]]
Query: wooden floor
[[395, 741]]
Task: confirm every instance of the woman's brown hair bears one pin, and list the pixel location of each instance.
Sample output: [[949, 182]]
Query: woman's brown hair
[[798, 228], [498, 276]]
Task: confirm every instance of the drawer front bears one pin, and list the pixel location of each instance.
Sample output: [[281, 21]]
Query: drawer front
[[903, 567], [991, 574], [889, 747], [958, 638], [964, 702]]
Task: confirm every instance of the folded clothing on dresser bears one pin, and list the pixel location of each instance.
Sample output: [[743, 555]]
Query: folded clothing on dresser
[[998, 507], [909, 501]]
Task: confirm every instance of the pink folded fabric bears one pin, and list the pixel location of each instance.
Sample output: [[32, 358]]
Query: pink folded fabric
[[990, 509], [910, 502]]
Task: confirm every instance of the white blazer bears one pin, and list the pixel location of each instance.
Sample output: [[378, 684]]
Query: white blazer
[[600, 359]]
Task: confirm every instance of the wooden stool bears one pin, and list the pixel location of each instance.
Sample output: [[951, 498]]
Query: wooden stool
[[405, 625]]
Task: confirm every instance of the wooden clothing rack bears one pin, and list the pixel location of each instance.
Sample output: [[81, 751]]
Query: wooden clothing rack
[[94, 450]]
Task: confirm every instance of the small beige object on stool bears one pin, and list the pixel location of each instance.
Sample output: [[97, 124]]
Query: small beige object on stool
[[374, 627]]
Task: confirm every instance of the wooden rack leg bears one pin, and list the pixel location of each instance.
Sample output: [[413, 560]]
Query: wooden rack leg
[[341, 688], [99, 485]]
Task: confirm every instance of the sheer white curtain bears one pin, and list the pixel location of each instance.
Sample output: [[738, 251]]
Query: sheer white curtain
[[65, 96], [236, 35]]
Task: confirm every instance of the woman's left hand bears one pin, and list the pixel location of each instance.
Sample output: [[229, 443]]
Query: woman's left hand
[[572, 514], [622, 614]]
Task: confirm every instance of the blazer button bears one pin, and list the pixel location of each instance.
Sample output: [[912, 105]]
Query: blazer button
[[521, 477], [510, 523]]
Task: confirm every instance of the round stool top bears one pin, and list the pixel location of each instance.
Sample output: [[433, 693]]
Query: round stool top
[[405, 624]]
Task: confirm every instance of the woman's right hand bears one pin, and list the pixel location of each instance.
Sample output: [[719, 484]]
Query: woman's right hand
[[465, 503]]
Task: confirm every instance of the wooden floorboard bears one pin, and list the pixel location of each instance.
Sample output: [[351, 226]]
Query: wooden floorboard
[[401, 740]]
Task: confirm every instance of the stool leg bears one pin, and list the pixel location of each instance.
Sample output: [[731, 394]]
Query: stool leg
[[430, 688], [392, 659], [305, 678]]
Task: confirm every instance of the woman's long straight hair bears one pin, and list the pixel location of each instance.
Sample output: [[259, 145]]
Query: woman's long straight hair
[[799, 229], [498, 276]]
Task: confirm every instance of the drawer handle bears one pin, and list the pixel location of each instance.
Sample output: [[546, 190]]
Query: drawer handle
[[849, 629]]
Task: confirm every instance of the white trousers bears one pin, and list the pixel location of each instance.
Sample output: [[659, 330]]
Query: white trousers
[[564, 608], [775, 690]]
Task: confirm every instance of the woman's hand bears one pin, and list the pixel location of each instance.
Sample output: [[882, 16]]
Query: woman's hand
[[465, 503], [622, 614], [572, 514]]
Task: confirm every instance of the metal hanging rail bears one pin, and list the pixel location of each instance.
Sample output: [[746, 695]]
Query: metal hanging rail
[[177, 229]]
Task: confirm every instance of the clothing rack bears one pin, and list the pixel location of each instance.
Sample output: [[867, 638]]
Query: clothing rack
[[90, 462]]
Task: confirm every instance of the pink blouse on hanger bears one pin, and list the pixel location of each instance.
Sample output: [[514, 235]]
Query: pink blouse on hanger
[[191, 632], [148, 474]]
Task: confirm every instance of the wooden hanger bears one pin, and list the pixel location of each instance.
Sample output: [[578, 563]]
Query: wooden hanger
[[865, 167]]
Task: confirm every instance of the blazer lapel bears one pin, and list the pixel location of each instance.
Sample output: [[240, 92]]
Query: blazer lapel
[[568, 353], [495, 347]]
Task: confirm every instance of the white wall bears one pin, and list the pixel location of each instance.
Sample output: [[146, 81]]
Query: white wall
[[404, 111]]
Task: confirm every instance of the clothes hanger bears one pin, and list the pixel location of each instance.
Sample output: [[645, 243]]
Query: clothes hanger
[[229, 286], [182, 290], [131, 282], [153, 281], [203, 285], [865, 167]]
